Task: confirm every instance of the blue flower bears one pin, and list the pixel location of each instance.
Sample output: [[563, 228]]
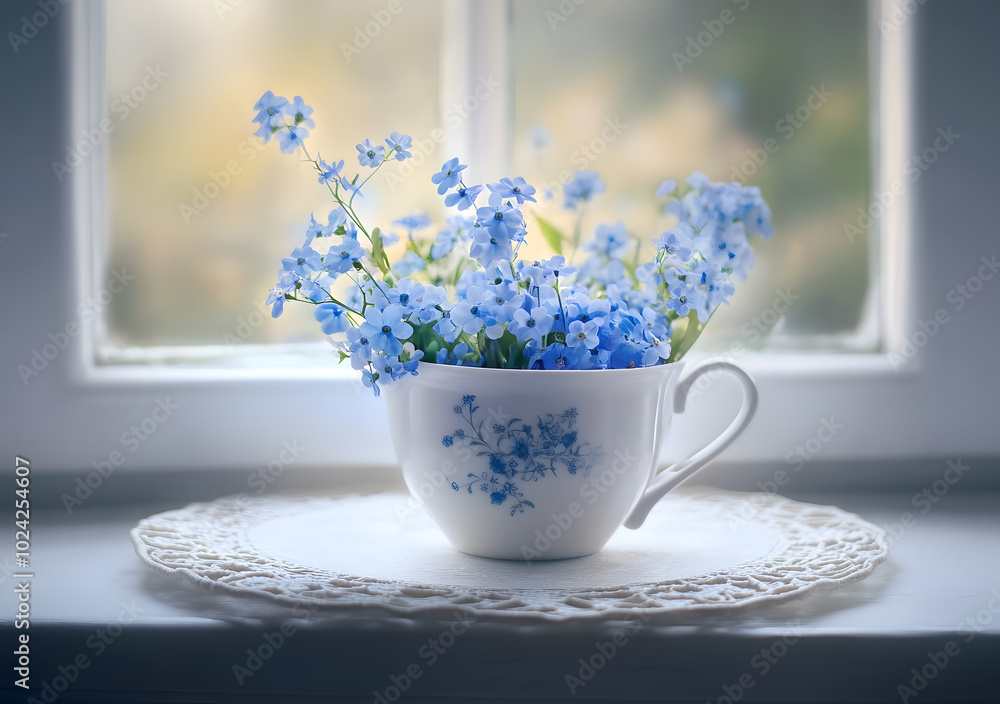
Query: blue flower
[[497, 497], [271, 110], [582, 188], [332, 318], [369, 379], [545, 272], [449, 176], [629, 355], [581, 333], [652, 324], [516, 188], [532, 325], [497, 465], [540, 137], [385, 328], [454, 356], [351, 189], [683, 297], [489, 247], [661, 347], [359, 347], [502, 220], [447, 440], [329, 172], [314, 230], [370, 154], [390, 368], [400, 143], [276, 299], [447, 328], [303, 261], [417, 221], [407, 294], [471, 313], [677, 242], [666, 188], [555, 356], [410, 263], [291, 138], [465, 197], [502, 301], [341, 257], [610, 241], [301, 112]]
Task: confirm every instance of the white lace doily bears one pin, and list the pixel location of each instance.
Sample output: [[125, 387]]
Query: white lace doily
[[699, 549]]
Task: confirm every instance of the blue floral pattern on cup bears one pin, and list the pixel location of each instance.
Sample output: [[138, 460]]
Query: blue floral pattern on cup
[[518, 452]]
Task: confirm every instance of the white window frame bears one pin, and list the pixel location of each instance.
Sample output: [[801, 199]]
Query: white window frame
[[238, 418]]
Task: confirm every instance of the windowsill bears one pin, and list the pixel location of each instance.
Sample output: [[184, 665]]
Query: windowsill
[[857, 642], [322, 365]]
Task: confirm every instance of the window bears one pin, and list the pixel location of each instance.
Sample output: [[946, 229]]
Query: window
[[200, 213], [236, 415], [774, 94]]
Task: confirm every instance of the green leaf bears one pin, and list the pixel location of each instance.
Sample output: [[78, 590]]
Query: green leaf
[[378, 251], [515, 357], [692, 331], [551, 234], [481, 345]]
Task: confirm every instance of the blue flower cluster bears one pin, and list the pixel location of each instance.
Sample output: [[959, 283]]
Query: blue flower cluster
[[466, 298], [518, 452]]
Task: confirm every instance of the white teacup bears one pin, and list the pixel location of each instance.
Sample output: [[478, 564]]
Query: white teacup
[[535, 464]]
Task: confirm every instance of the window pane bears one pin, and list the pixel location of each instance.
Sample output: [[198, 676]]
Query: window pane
[[198, 213], [772, 93]]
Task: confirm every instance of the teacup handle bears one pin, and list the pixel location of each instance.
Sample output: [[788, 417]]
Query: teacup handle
[[661, 483]]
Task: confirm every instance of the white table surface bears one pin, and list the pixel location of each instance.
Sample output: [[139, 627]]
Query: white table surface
[[858, 642]]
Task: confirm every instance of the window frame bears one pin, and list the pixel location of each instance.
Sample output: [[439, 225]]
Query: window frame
[[798, 390]]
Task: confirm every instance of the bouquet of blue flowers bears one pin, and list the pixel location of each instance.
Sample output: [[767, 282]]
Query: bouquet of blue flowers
[[466, 298]]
